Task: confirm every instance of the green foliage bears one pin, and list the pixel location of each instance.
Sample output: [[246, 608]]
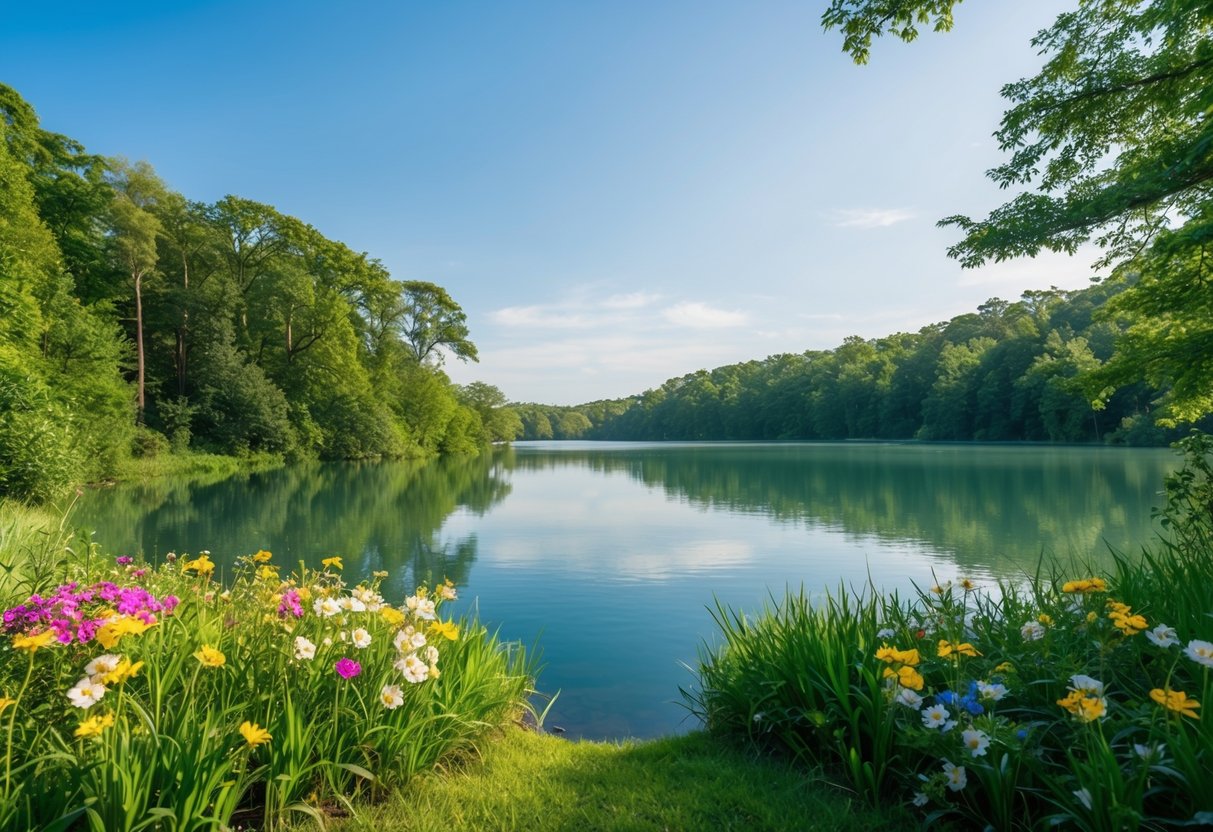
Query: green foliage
[[861, 20], [1046, 699]]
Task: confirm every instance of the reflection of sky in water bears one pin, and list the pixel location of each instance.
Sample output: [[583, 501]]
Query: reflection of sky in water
[[609, 554], [618, 578]]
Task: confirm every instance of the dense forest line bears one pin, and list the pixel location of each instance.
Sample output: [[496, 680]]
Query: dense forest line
[[1021, 371], [133, 319]]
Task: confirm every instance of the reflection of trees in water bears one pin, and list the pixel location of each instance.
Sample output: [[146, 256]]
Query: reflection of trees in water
[[989, 506], [376, 515]]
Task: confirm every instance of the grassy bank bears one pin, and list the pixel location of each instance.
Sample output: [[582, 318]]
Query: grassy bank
[[195, 464], [539, 783], [1055, 699]]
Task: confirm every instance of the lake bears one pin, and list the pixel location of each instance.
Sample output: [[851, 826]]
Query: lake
[[608, 554]]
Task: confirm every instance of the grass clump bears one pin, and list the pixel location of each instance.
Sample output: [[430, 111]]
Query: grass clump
[[1052, 700], [535, 782], [135, 696]]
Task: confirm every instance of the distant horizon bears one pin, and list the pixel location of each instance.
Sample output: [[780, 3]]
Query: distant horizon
[[616, 195]]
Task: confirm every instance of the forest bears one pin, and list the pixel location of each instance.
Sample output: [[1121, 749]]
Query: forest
[[135, 321], [1011, 371]]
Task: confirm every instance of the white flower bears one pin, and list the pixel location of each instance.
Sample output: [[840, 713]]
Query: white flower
[[1075, 605], [412, 668], [976, 742], [1087, 685], [431, 654], [361, 638], [1162, 636], [102, 666], [909, 698], [86, 693], [420, 607], [1148, 753], [957, 779], [992, 692], [305, 650], [327, 641], [885, 633], [935, 716], [1200, 652], [408, 639], [328, 607], [352, 604], [921, 799], [391, 696], [1084, 797], [448, 593], [1032, 631]]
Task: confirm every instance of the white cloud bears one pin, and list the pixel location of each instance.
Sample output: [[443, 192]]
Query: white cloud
[[701, 316], [1046, 269], [548, 317], [870, 217], [631, 300]]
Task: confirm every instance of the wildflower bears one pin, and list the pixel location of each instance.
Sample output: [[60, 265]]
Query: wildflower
[[86, 693], [379, 573], [1083, 706], [885, 633], [906, 676], [1085, 586], [1118, 607], [968, 701], [1032, 631], [1005, 667], [1175, 700], [94, 725], [114, 629], [936, 716], [34, 642], [262, 556], [431, 654], [1127, 623], [432, 672], [1084, 797], [290, 604], [991, 692], [351, 604], [1148, 753], [954, 651], [124, 670], [909, 698], [940, 589], [1046, 619], [361, 638], [123, 560], [210, 657], [1163, 636], [332, 563], [412, 668], [392, 616], [447, 591], [305, 650], [976, 742], [920, 799], [957, 779], [254, 734], [201, 564], [1200, 652], [391, 696], [327, 607], [347, 668], [1086, 685], [967, 584], [449, 630], [420, 606], [267, 572], [102, 666]]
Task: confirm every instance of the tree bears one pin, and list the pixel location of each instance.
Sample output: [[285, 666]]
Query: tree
[[135, 231], [1113, 141], [428, 318]]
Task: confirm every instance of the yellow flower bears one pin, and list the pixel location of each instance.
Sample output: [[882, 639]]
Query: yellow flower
[[254, 734], [32, 643], [1005, 667], [947, 649], [907, 677], [124, 625], [1118, 607], [446, 629], [1087, 585], [262, 556], [1092, 618], [210, 657], [201, 564], [379, 573], [332, 563], [94, 725], [392, 616], [892, 654], [1128, 624], [1175, 700], [267, 572], [1046, 619], [125, 670], [1083, 706]]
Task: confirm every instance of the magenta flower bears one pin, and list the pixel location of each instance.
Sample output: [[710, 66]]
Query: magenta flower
[[290, 605], [347, 668], [123, 560]]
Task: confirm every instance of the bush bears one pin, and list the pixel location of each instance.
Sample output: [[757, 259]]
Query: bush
[[154, 697], [1022, 705], [148, 443]]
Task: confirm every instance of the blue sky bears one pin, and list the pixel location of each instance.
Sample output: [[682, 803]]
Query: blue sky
[[615, 192]]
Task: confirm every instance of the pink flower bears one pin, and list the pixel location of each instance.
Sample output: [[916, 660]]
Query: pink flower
[[347, 668], [290, 604], [123, 560]]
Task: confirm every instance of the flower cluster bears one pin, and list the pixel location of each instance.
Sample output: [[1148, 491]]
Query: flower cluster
[[102, 611]]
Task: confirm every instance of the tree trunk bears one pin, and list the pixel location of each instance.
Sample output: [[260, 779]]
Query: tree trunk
[[139, 400]]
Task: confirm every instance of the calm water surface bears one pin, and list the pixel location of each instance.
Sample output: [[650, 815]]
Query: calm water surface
[[608, 554]]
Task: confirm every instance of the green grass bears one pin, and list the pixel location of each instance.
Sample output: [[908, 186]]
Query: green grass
[[32, 546], [536, 782], [193, 464]]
